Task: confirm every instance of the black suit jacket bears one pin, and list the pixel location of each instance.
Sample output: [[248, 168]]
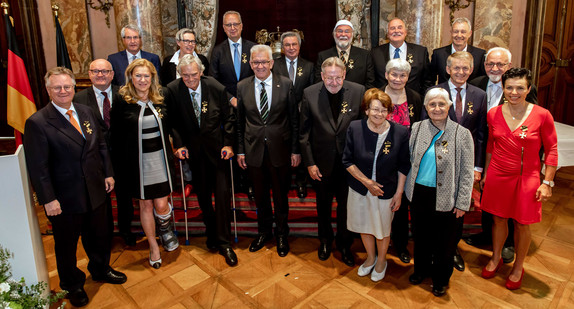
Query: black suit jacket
[[167, 72], [438, 63], [120, 62], [217, 126], [360, 67], [222, 69], [417, 56], [88, 97], [322, 139], [473, 118], [280, 132], [62, 164], [482, 83], [303, 75]]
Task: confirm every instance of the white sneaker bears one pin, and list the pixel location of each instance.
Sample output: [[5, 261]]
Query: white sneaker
[[365, 270], [375, 276]]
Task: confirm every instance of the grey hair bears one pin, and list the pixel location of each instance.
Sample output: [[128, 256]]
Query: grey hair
[[261, 48], [234, 13], [437, 92], [461, 20], [131, 27], [58, 71], [462, 55], [188, 60], [399, 65], [333, 61], [500, 49], [183, 31], [290, 34]]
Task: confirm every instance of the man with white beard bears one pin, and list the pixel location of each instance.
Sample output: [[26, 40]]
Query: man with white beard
[[358, 61]]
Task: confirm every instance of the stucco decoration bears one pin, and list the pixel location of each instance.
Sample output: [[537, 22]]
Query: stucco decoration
[[358, 12]]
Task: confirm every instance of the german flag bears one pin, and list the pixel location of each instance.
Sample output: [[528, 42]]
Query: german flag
[[20, 100]]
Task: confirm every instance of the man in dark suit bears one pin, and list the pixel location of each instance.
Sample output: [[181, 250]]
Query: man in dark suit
[[358, 61], [71, 172], [469, 110], [267, 131], [498, 61], [300, 72], [327, 109], [230, 58], [461, 31], [416, 55], [120, 60], [186, 42], [99, 98], [204, 126]]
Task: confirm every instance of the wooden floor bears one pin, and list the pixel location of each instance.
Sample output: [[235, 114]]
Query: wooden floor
[[193, 277]]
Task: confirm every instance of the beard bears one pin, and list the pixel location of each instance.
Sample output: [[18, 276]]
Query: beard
[[343, 44], [494, 78]]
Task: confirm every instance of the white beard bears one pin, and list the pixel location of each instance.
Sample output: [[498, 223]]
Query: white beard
[[494, 78]]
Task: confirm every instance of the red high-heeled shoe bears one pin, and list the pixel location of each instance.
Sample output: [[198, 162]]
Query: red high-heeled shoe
[[486, 274], [514, 285]]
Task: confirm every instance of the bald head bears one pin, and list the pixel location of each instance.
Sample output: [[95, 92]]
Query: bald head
[[101, 74]]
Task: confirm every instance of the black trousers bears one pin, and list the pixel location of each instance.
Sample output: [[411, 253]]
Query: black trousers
[[400, 226], [67, 229], [434, 236], [335, 186], [125, 204], [208, 179], [278, 179]]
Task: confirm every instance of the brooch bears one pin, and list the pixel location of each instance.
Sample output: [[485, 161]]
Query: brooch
[[87, 125], [523, 133], [351, 64], [469, 110], [387, 147], [204, 107], [344, 109], [244, 58], [159, 114], [444, 145], [410, 58], [411, 112], [299, 71]]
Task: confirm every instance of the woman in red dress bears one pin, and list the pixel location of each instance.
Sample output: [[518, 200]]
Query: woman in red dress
[[512, 188]]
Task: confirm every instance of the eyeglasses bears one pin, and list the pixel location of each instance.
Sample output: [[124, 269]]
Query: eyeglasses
[[492, 64], [258, 63], [67, 88], [341, 31], [104, 72], [188, 41], [337, 79], [289, 45], [129, 38], [230, 25], [379, 111]]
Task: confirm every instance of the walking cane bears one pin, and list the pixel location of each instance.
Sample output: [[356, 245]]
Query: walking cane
[[183, 153], [232, 195]]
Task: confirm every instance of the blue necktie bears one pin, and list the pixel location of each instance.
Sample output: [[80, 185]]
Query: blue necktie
[[397, 53], [236, 60]]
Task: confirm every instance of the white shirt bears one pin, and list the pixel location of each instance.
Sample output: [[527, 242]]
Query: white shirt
[[452, 50], [197, 96], [288, 61], [130, 55], [402, 51], [100, 98], [175, 60], [453, 94], [232, 48], [268, 83], [493, 94], [63, 112]]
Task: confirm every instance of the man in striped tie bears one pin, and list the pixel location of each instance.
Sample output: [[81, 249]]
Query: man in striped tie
[[267, 130]]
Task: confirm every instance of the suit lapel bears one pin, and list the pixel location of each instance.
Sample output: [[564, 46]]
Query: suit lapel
[[325, 106], [60, 122], [204, 98], [250, 93], [187, 104], [87, 127]]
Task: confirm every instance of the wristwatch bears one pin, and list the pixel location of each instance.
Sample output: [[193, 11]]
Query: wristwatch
[[548, 183]]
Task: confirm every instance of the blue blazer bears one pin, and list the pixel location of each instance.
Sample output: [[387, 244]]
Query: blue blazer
[[360, 150], [119, 63]]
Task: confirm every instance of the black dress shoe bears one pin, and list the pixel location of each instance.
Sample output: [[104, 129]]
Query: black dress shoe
[[259, 242], [250, 193], [78, 297], [458, 261], [507, 254], [111, 276], [302, 191], [282, 246], [229, 255], [324, 251], [129, 239], [347, 257], [416, 279], [405, 257], [211, 246], [480, 239], [438, 291]]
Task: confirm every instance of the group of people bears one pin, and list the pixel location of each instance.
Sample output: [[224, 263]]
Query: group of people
[[369, 129]]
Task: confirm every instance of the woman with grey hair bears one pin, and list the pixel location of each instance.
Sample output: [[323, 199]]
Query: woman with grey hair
[[407, 102], [439, 187], [186, 42]]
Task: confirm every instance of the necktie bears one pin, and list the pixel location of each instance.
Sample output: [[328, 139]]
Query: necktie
[[196, 108], [106, 108], [134, 57], [236, 60], [73, 121], [397, 53], [264, 104], [343, 53], [292, 71], [458, 108]]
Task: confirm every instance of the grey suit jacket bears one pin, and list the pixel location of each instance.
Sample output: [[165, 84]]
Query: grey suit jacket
[[303, 75], [360, 67], [454, 152]]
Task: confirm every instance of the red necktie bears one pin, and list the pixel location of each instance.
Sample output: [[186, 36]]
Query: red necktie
[[458, 107], [106, 108]]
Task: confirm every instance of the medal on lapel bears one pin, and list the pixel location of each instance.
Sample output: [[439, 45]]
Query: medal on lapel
[[444, 145], [410, 58], [344, 109], [523, 133], [299, 71], [469, 110], [244, 58], [351, 64], [411, 112], [158, 110], [87, 125], [204, 107], [387, 147]]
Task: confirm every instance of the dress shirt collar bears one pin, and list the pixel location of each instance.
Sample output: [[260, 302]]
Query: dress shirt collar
[[268, 81], [130, 55], [175, 58], [453, 86], [240, 41], [402, 53], [198, 90], [288, 61], [452, 50]]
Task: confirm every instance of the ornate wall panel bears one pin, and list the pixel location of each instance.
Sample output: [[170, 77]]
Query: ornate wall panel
[[492, 23], [201, 16], [423, 19], [73, 17], [358, 12], [169, 25]]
